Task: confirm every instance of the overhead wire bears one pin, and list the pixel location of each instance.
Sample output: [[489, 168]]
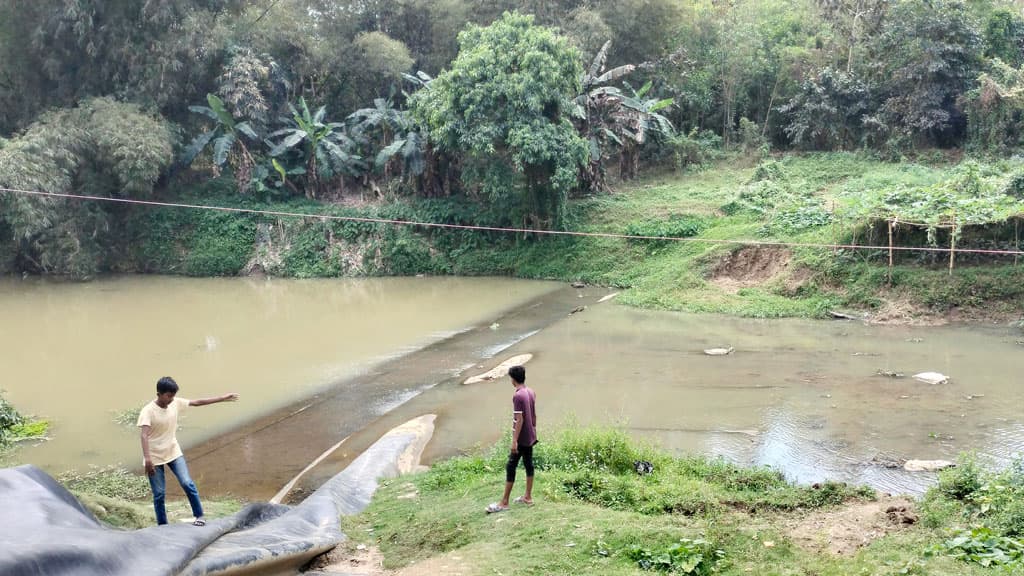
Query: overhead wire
[[513, 230]]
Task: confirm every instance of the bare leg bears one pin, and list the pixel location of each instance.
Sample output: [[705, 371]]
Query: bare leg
[[528, 495], [508, 492]]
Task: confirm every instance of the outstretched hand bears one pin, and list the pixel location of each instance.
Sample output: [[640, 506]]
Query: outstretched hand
[[232, 397]]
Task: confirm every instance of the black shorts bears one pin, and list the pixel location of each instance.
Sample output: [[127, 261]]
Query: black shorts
[[526, 453]]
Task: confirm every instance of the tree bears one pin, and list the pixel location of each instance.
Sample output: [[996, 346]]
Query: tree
[[253, 87], [828, 111], [926, 54], [324, 147], [228, 138], [737, 55], [1004, 36], [995, 109], [639, 116], [100, 148], [599, 105], [154, 53], [855, 20], [503, 108]]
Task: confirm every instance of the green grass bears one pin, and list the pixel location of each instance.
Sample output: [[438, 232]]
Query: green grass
[[122, 498], [804, 199], [594, 515]]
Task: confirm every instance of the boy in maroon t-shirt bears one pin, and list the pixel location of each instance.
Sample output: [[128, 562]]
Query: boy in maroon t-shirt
[[524, 436]]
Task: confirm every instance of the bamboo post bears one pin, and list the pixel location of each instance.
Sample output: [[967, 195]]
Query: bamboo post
[[1016, 238], [952, 244], [891, 221], [835, 234]]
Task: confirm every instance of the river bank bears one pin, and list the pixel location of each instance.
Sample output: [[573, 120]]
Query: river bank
[[716, 220], [593, 514], [816, 400]]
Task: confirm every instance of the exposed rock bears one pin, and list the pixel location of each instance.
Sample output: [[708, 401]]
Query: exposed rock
[[931, 378], [927, 465], [577, 310], [578, 285], [501, 370], [719, 351]]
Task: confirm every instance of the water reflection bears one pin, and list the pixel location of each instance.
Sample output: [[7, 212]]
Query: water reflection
[[802, 396]]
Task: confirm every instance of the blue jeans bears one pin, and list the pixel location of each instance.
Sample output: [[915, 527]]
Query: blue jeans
[[159, 486]]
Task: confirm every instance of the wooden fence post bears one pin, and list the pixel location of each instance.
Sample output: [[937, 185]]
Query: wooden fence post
[[952, 244], [835, 235], [891, 221]]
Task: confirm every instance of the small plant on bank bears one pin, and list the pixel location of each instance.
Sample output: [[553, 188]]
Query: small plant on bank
[[9, 419], [678, 226], [16, 426], [110, 481], [683, 557], [30, 429], [982, 546]]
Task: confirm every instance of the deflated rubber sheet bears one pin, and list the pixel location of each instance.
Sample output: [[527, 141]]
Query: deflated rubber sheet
[[46, 531]]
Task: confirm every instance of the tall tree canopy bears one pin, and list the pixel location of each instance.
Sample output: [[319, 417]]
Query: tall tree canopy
[[504, 107]]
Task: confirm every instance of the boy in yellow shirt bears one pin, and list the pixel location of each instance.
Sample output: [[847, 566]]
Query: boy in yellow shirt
[[158, 421]]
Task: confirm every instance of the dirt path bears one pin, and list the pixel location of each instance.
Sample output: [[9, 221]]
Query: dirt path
[[842, 531], [368, 561]]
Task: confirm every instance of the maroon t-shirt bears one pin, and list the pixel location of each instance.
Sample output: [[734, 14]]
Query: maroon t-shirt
[[522, 402]]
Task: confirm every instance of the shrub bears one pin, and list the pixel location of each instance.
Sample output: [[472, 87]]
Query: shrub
[[684, 557], [594, 449], [676, 226], [962, 482], [695, 149], [9, 419]]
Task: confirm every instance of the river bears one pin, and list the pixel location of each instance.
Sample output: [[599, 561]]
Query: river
[[320, 361], [84, 354]]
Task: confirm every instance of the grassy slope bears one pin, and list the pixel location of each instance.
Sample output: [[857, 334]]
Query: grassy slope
[[592, 509], [674, 276]]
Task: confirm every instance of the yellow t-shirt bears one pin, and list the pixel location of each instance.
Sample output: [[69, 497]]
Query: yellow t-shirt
[[163, 425]]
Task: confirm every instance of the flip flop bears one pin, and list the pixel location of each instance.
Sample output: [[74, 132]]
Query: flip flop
[[520, 500], [494, 508], [199, 522]]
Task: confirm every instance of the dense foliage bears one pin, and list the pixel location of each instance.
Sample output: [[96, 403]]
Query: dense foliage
[[509, 107], [503, 108]]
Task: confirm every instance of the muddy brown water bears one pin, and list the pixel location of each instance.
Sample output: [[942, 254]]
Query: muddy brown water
[[322, 361], [81, 354]]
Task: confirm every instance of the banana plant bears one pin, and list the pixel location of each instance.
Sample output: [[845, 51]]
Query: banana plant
[[596, 110], [399, 137], [324, 146], [638, 116], [228, 139]]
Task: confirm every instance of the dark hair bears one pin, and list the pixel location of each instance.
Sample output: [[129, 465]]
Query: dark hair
[[518, 373], [165, 385]]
